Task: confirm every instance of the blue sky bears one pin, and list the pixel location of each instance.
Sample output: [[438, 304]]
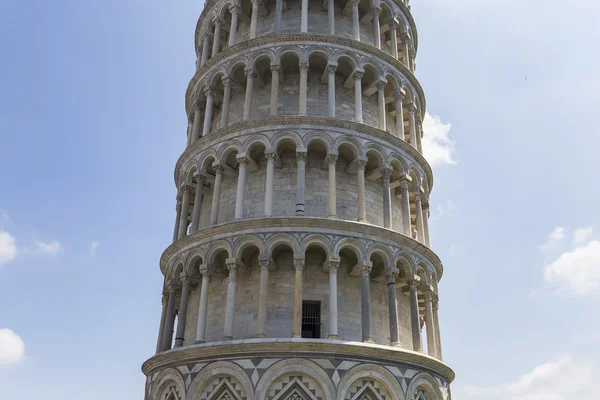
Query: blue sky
[[92, 121]]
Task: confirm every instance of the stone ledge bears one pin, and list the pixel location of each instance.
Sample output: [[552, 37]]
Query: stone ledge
[[287, 224], [295, 347]]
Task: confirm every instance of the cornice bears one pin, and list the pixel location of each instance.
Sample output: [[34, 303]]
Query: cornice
[[405, 10], [308, 223], [314, 123], [305, 39], [366, 352]]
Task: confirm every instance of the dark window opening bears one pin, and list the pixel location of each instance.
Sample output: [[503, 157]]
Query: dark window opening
[[311, 319]]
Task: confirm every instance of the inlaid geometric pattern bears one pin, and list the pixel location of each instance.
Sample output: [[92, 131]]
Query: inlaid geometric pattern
[[223, 388], [256, 367], [295, 387], [189, 372], [367, 389]]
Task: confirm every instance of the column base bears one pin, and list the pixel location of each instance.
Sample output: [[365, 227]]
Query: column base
[[362, 220], [260, 336], [332, 216], [368, 340], [200, 342], [396, 344], [178, 343], [333, 337], [227, 337]]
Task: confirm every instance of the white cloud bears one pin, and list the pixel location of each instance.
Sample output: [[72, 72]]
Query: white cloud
[[93, 247], [576, 271], [46, 248], [8, 248], [12, 347], [554, 239], [447, 209], [564, 379], [582, 235], [438, 148]]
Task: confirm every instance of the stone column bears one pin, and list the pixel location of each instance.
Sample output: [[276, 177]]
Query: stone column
[[298, 289], [331, 68], [269, 184], [333, 307], [227, 83], [419, 132], [197, 127], [358, 114], [274, 88], [332, 192], [204, 57], [412, 124], [376, 27], [406, 51], [190, 130], [235, 11], [419, 210], [278, 14], [414, 317], [185, 205], [261, 328], [399, 96], [161, 327], [183, 306], [436, 323], [392, 276], [426, 222], [393, 35], [203, 307], [387, 199], [170, 319], [216, 200], [381, 102], [241, 187], [360, 182], [431, 345], [300, 183], [365, 284], [232, 266], [355, 20], [331, 16], [197, 203], [216, 37], [249, 88], [303, 88], [254, 19], [304, 17], [209, 93], [177, 218], [412, 60], [406, 208]]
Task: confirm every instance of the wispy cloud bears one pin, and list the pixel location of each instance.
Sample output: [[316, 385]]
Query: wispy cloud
[[40, 247], [554, 239], [12, 348], [582, 235], [564, 379], [8, 248], [438, 148], [93, 247]]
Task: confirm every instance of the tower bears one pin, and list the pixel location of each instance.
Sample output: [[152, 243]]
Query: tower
[[300, 267]]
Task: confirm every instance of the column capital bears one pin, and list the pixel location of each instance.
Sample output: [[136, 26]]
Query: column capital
[[243, 160], [199, 178], [270, 156], [218, 21], [381, 84], [173, 286], [232, 265], [392, 276], [366, 268], [399, 94], [218, 167], [303, 66], [392, 24], [227, 81], [332, 67], [187, 187], [412, 108], [185, 279], [332, 158], [299, 263], [265, 263], [275, 67], [386, 172], [361, 163], [206, 270], [209, 92], [358, 75], [300, 155], [234, 9], [333, 266], [354, 3], [376, 11], [250, 72], [412, 284]]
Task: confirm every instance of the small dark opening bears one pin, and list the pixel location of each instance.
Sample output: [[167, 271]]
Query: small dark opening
[[311, 319]]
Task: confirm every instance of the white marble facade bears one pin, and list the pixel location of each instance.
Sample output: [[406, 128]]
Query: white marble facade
[[302, 182]]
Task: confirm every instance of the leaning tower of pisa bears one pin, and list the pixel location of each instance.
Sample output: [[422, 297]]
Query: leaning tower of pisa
[[301, 266]]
